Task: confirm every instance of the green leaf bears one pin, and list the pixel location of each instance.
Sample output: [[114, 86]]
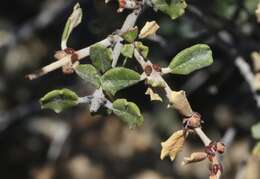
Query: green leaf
[[256, 150], [130, 35], [127, 50], [101, 57], [128, 112], [191, 59], [89, 73], [58, 100], [175, 9], [256, 131], [73, 21], [118, 78], [143, 49]]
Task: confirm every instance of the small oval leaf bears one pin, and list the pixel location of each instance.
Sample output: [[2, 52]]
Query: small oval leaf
[[130, 35], [128, 112], [191, 59], [128, 50], [118, 78], [89, 73], [143, 49], [174, 9], [58, 100], [101, 57]]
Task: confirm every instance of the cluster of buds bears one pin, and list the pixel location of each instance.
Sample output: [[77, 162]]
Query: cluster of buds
[[127, 4], [149, 69], [68, 68], [192, 122], [213, 148], [215, 168]]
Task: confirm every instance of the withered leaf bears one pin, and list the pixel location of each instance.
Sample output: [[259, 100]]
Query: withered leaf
[[173, 145], [153, 96], [179, 101], [149, 29], [195, 157]]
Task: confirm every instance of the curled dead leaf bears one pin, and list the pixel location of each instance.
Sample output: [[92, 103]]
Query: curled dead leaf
[[194, 157], [180, 102], [173, 145], [153, 96], [149, 29]]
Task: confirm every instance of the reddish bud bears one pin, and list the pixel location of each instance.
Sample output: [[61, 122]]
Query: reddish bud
[[69, 50], [74, 58], [220, 147], [148, 70], [122, 3], [192, 122], [211, 150], [157, 67], [214, 168]]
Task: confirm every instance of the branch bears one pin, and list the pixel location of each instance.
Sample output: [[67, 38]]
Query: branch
[[67, 59], [248, 75], [129, 22], [181, 104]]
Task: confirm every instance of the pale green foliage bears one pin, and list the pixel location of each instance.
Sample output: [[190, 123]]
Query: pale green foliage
[[110, 80], [128, 50], [175, 9], [128, 112], [143, 49], [191, 59], [58, 100], [89, 73], [118, 78], [130, 35], [101, 57]]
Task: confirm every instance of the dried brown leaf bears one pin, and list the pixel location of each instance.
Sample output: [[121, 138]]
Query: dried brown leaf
[[173, 145], [179, 101], [153, 96], [149, 29], [195, 157]]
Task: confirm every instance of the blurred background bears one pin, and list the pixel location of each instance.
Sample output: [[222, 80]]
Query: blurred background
[[40, 144]]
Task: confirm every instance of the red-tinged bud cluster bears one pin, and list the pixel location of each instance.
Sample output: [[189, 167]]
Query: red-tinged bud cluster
[[157, 67], [69, 51], [74, 56], [214, 147], [122, 3], [192, 122], [148, 70], [214, 168]]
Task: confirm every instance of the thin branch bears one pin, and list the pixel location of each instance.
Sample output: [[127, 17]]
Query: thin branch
[[129, 22], [202, 136], [248, 75], [157, 76], [80, 53]]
